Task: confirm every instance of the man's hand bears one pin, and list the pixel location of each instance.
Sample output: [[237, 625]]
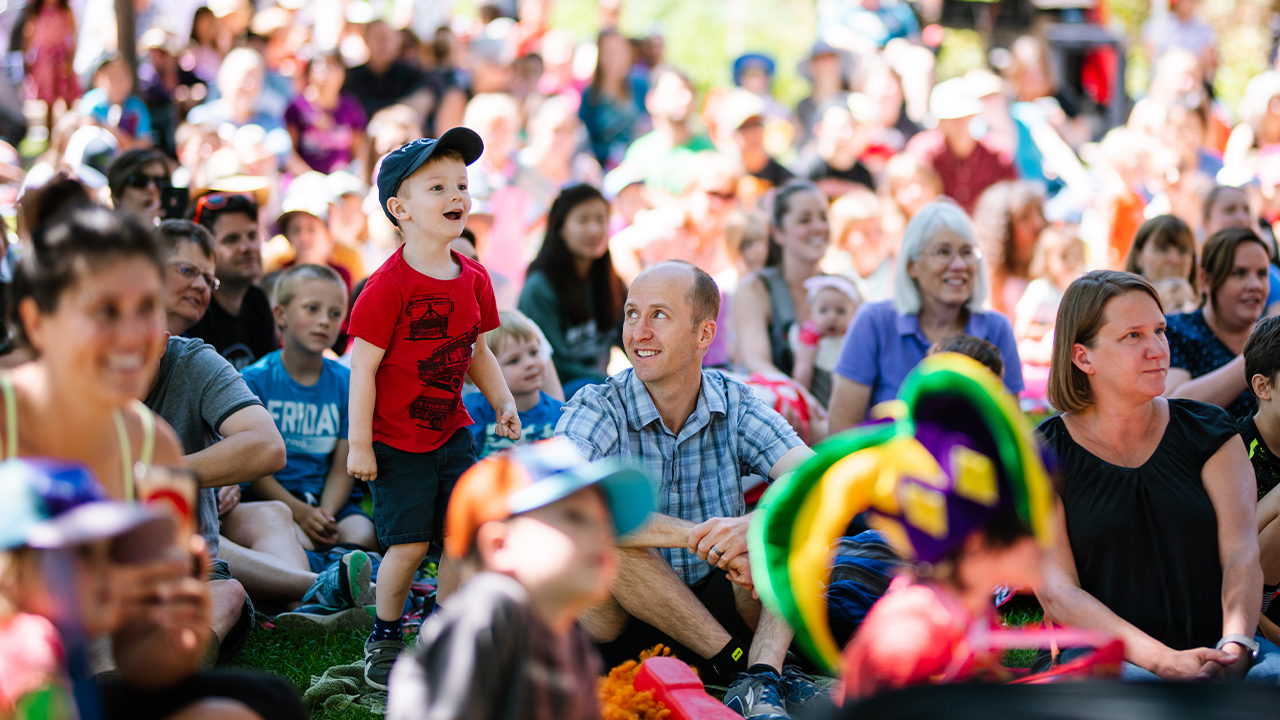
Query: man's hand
[[720, 540], [1194, 664], [361, 463], [739, 571], [508, 425], [228, 499], [184, 607], [316, 523]]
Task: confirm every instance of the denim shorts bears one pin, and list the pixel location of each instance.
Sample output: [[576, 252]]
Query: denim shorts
[[412, 490]]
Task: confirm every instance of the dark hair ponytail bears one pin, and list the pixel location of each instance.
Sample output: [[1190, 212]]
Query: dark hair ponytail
[[71, 239], [556, 262]]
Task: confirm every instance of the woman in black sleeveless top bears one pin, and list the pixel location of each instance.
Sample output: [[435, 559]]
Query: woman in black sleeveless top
[[768, 303], [1157, 537]]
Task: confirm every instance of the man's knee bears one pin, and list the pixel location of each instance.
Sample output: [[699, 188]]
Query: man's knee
[[227, 592], [606, 621]]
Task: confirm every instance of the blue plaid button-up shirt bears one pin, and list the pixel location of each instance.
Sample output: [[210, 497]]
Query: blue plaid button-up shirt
[[730, 434]]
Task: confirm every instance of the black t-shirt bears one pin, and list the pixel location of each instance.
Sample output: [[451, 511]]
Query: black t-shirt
[[817, 169], [241, 339], [773, 173], [487, 655], [1145, 539], [376, 92], [1266, 466]]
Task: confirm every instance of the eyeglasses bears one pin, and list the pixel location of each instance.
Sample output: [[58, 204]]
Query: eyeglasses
[[725, 195], [217, 201], [945, 254], [191, 273], [140, 180]]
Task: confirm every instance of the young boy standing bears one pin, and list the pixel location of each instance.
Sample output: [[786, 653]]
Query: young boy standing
[[415, 325], [518, 347], [539, 523]]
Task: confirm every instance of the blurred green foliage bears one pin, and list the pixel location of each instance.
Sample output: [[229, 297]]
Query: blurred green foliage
[[704, 36]]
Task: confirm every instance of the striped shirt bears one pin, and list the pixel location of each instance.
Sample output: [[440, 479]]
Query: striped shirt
[[730, 434]]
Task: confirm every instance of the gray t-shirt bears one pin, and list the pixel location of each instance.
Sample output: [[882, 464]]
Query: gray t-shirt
[[196, 390]]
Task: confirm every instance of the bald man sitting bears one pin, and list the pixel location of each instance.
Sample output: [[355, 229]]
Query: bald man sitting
[[684, 576]]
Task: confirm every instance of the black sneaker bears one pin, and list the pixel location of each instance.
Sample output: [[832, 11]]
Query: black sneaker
[[379, 656], [757, 696]]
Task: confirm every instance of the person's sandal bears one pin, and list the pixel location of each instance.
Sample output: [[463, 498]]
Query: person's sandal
[[379, 656]]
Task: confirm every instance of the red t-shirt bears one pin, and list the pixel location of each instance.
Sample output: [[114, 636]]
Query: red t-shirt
[[428, 328], [962, 180], [914, 635]]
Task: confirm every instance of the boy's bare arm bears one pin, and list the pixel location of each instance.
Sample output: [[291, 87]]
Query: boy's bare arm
[[487, 376], [337, 484], [365, 357]]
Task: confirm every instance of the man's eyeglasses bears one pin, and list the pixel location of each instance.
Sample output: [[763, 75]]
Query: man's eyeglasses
[[946, 254], [191, 273], [724, 195], [217, 201], [140, 181]]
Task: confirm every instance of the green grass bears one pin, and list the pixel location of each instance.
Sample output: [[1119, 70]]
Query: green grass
[[1020, 616], [297, 656]]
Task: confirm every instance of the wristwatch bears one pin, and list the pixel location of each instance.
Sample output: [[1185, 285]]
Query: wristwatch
[[1245, 642]]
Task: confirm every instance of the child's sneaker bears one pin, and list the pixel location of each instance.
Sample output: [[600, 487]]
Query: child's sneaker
[[379, 656], [344, 584], [757, 696]]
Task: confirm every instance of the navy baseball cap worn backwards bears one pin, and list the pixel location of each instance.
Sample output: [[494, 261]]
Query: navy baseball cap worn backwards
[[401, 162]]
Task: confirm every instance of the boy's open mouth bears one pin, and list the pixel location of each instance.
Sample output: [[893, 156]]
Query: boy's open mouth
[[454, 214]]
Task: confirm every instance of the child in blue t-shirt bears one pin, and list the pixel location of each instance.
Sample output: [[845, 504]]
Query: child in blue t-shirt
[[306, 394], [517, 346]]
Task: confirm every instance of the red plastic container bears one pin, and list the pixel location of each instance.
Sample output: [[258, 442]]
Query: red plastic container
[[677, 686]]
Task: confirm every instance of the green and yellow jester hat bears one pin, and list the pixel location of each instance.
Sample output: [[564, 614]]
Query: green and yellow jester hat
[[959, 455]]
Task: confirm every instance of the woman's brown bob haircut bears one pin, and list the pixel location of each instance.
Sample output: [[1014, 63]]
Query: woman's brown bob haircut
[[1219, 259], [1165, 231], [1081, 315]]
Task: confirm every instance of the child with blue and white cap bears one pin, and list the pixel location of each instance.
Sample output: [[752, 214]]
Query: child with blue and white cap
[[540, 524], [60, 537]]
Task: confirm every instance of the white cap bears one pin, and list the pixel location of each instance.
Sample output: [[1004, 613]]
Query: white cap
[[951, 100]]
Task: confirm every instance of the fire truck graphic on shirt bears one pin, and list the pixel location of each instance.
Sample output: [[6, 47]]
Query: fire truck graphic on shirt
[[429, 317], [444, 369]]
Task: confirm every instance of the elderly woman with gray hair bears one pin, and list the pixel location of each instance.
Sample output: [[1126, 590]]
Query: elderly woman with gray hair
[[939, 289]]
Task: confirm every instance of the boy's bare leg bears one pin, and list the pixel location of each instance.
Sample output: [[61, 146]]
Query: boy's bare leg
[[358, 530], [267, 527], [448, 577], [395, 575]]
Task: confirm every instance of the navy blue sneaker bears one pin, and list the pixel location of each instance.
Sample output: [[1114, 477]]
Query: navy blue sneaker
[[344, 584], [757, 696], [798, 688]]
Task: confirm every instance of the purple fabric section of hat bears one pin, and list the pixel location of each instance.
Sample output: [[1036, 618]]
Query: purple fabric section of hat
[[963, 516]]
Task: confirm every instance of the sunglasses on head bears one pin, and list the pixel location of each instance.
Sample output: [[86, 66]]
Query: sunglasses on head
[[141, 180], [217, 201]]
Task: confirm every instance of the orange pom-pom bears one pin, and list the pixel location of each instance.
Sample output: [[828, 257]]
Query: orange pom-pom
[[617, 693]]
